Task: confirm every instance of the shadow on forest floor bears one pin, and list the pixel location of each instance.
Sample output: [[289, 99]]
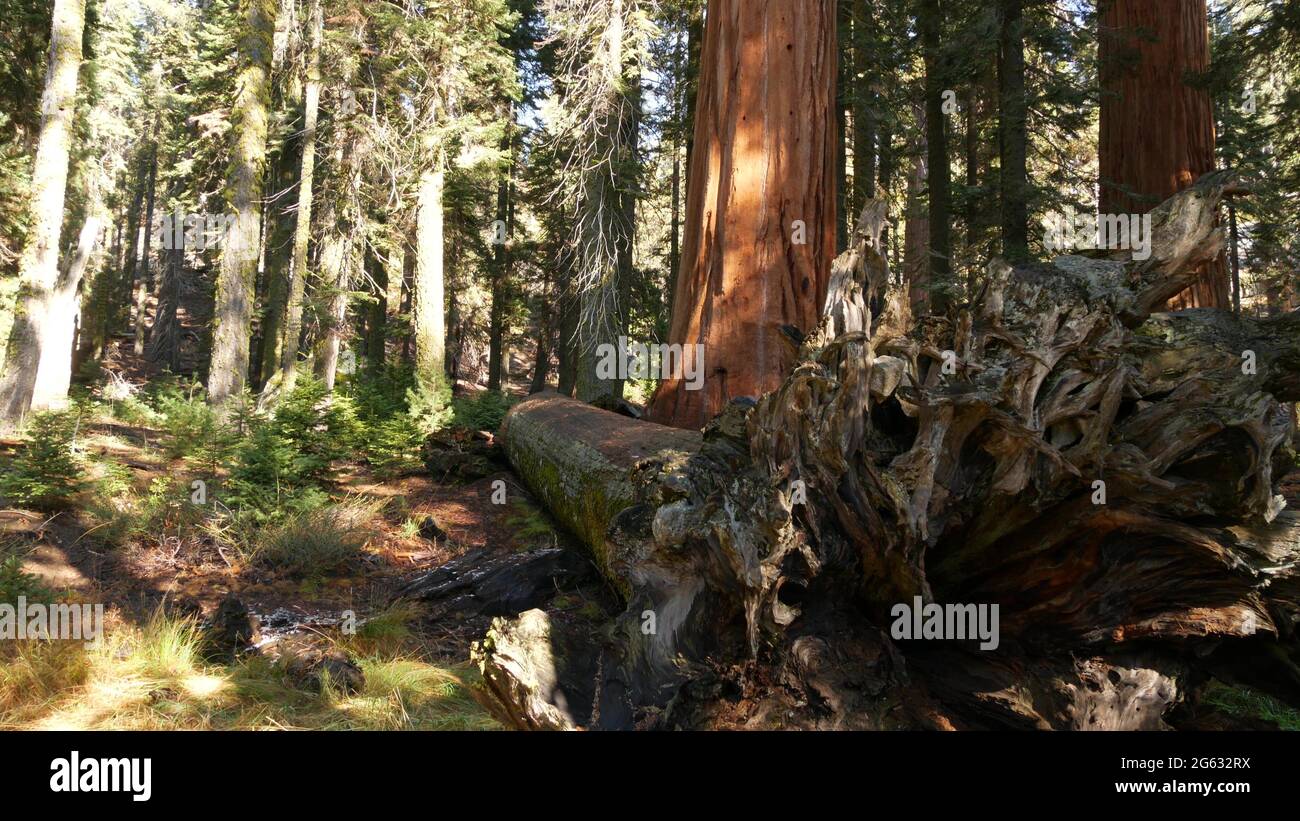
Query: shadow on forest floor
[[157, 589]]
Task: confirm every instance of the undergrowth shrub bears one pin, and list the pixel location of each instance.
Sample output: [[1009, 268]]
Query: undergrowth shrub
[[163, 510], [48, 471], [393, 446], [483, 411], [379, 394], [321, 427], [396, 412], [283, 460], [192, 428], [111, 501], [15, 582], [430, 404]]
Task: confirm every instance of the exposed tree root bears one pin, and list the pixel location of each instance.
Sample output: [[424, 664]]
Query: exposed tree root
[[1104, 475]]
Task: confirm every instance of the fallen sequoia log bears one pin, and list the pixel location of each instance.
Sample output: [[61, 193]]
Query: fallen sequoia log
[[1103, 475]]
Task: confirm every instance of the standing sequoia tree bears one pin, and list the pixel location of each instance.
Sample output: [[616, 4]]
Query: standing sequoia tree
[[760, 208], [1157, 128], [38, 363]]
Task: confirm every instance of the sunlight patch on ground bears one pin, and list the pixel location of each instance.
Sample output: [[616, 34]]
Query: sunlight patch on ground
[[151, 677]]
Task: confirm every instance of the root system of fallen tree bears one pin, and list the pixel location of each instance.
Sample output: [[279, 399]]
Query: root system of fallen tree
[[1104, 474]]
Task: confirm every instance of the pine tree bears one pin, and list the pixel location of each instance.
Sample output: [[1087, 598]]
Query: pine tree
[[232, 329], [37, 366]]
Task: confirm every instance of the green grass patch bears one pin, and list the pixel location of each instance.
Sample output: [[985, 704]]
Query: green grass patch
[[1243, 702]]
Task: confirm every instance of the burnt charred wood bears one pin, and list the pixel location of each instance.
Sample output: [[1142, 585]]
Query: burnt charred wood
[[488, 583]]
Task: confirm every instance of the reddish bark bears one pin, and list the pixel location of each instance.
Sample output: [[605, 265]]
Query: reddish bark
[[1157, 130], [763, 158]]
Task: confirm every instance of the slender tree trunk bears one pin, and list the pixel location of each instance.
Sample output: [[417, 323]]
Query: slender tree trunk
[[115, 249], [541, 362], [233, 318], [568, 353], [674, 230], [394, 281], [394, 264], [973, 200], [164, 346], [428, 317], [1013, 141], [938, 170], [628, 193], [864, 116], [679, 127], [1157, 129], [972, 135], [62, 322], [37, 365], [134, 242], [278, 266], [690, 97], [543, 314], [605, 240], [843, 196], [1236, 257], [760, 218], [694, 47], [885, 175], [143, 277], [377, 315], [335, 256], [408, 300], [291, 329], [95, 283], [916, 240], [501, 264]]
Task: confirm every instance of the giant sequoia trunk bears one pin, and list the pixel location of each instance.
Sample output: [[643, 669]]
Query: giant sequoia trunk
[[1150, 53], [760, 205], [1104, 474]]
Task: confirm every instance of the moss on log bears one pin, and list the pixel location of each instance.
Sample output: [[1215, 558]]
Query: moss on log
[[579, 460]]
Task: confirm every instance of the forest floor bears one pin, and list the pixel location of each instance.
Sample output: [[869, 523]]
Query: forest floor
[[161, 588]]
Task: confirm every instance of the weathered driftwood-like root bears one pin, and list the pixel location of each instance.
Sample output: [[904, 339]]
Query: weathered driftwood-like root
[[1106, 476]]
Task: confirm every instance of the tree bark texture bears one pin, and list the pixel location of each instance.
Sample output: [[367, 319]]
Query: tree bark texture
[[1157, 127], [760, 201], [427, 296], [233, 318], [30, 380]]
